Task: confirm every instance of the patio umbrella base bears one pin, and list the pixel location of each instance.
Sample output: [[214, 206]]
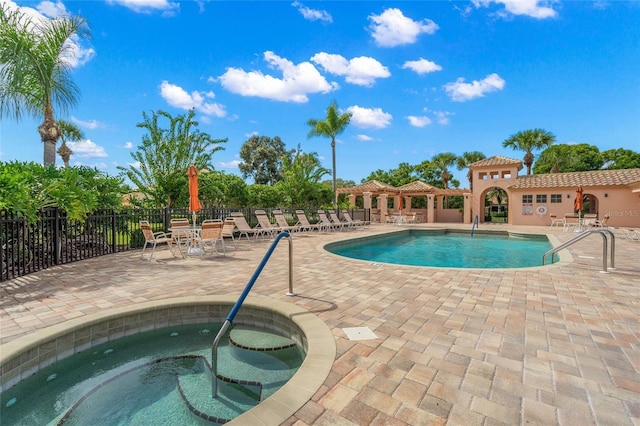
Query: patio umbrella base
[[195, 251]]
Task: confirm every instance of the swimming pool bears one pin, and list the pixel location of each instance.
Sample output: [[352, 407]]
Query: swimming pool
[[448, 249]]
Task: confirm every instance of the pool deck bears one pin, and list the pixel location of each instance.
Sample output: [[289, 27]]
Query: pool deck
[[553, 345]]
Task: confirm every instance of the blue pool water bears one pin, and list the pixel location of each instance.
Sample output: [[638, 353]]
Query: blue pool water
[[447, 249], [146, 379]]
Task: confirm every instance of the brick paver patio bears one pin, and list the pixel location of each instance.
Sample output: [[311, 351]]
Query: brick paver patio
[[554, 345]]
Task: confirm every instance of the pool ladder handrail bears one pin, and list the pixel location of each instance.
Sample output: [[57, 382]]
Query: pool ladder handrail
[[475, 224], [584, 234], [238, 304]]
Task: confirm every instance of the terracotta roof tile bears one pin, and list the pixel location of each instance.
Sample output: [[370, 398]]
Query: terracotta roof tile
[[496, 160], [573, 179]]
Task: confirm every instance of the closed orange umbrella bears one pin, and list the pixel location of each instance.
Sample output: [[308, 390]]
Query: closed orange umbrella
[[194, 202], [577, 204]]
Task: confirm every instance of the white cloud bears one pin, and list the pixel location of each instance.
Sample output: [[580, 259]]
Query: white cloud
[[312, 14], [177, 97], [364, 138], [460, 91], [230, 165], [421, 121], [87, 149], [75, 54], [369, 117], [92, 124], [539, 9], [362, 71], [442, 117], [296, 83], [147, 6], [392, 28], [128, 145], [422, 66]]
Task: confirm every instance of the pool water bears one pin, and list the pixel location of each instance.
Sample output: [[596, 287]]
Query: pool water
[[447, 249], [146, 379]]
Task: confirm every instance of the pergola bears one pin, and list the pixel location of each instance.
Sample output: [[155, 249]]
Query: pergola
[[383, 191]]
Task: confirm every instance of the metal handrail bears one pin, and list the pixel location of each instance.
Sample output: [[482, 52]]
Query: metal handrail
[[585, 234], [475, 224], [238, 304]]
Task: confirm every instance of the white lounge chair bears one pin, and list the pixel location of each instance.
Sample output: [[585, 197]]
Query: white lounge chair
[[304, 224]]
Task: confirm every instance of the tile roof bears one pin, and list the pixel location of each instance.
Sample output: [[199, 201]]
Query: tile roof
[[573, 179], [496, 160], [368, 186]]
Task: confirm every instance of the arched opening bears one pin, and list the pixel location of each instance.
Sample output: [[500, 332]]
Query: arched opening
[[496, 205], [589, 204]]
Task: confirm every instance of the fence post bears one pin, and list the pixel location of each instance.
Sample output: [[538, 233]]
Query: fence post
[[56, 237], [113, 231]]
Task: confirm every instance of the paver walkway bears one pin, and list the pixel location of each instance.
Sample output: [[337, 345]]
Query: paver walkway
[[554, 345]]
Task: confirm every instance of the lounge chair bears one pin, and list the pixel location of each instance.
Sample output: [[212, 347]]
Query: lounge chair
[[265, 223], [244, 228], [153, 239], [211, 234], [333, 216], [356, 223], [282, 222], [631, 234], [326, 222], [304, 224], [228, 229]]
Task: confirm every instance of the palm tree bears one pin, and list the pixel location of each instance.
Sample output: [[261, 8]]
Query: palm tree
[[330, 127], [35, 69], [443, 161], [68, 132], [467, 158], [529, 140]]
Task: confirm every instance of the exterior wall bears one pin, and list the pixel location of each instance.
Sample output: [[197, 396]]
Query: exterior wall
[[620, 204], [486, 178], [449, 216]]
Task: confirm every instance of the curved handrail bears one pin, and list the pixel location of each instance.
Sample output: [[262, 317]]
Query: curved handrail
[[475, 224], [238, 304], [585, 234]]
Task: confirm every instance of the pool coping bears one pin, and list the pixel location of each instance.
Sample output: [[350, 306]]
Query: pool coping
[[315, 368], [564, 255]]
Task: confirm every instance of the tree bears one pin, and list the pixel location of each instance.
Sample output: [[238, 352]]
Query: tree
[[217, 188], [330, 127], [301, 179], [68, 132], [569, 158], [528, 141], [264, 196], [467, 158], [262, 159], [35, 70], [161, 163], [443, 161], [620, 159]]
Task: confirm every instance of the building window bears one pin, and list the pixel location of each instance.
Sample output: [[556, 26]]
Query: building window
[[527, 199], [556, 198], [541, 198]]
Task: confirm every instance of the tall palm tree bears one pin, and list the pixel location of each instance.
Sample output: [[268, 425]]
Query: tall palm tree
[[330, 127], [443, 161], [529, 140], [469, 157], [68, 132], [35, 69]]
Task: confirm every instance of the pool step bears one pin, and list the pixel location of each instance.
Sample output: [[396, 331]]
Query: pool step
[[258, 340]]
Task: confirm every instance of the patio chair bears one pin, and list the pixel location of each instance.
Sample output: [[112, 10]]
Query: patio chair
[[153, 239], [244, 228], [304, 223], [282, 222], [326, 222], [182, 234], [356, 223], [228, 229], [210, 234]]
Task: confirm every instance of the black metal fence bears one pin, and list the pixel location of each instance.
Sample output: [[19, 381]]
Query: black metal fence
[[55, 239]]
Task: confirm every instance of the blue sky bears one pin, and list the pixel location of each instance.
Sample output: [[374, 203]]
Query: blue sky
[[420, 77]]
